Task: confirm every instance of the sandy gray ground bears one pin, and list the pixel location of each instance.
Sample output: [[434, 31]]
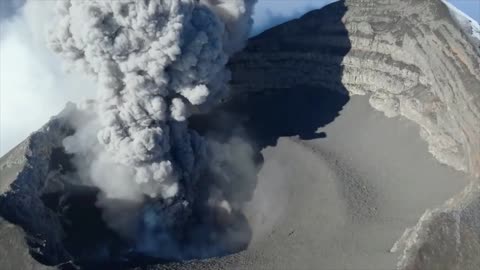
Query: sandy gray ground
[[351, 195], [342, 201], [331, 203]]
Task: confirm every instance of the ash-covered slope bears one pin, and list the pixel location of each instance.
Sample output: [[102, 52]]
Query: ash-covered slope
[[409, 55]]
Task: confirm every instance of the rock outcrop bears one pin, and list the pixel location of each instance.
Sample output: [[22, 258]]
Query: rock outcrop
[[25, 174], [409, 55], [445, 238]]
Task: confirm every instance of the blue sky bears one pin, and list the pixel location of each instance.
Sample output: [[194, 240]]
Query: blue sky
[[470, 7], [23, 56]]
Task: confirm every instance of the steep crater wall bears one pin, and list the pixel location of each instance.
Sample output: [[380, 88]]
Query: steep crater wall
[[409, 56]]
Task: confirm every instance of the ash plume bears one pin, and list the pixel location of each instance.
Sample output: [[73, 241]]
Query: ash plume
[[155, 62]]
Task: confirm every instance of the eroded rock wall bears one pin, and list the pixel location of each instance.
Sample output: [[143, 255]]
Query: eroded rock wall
[[409, 55], [445, 238]]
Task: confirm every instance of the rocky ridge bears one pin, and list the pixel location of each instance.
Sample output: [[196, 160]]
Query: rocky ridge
[[410, 56], [25, 174]]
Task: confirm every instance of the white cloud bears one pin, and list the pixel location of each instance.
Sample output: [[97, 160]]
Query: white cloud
[[33, 85]]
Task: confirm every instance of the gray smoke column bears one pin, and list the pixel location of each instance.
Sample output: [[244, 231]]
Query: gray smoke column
[[156, 62]]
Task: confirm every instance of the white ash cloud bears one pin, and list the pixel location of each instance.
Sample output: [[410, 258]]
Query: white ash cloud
[[155, 63], [33, 86]]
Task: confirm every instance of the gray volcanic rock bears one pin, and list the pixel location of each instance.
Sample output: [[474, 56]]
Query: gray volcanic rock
[[445, 238], [14, 252], [25, 174], [410, 55], [412, 59]]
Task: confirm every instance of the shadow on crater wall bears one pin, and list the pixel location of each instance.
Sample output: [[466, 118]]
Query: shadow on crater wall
[[260, 117], [298, 106]]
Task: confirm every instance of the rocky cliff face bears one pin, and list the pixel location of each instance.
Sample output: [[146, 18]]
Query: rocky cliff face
[[414, 59], [410, 56], [26, 175]]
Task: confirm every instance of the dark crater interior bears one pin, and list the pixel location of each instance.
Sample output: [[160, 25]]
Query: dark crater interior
[[88, 240], [90, 243]]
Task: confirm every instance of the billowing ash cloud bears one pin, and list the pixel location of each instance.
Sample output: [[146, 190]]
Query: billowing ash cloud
[[156, 62]]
